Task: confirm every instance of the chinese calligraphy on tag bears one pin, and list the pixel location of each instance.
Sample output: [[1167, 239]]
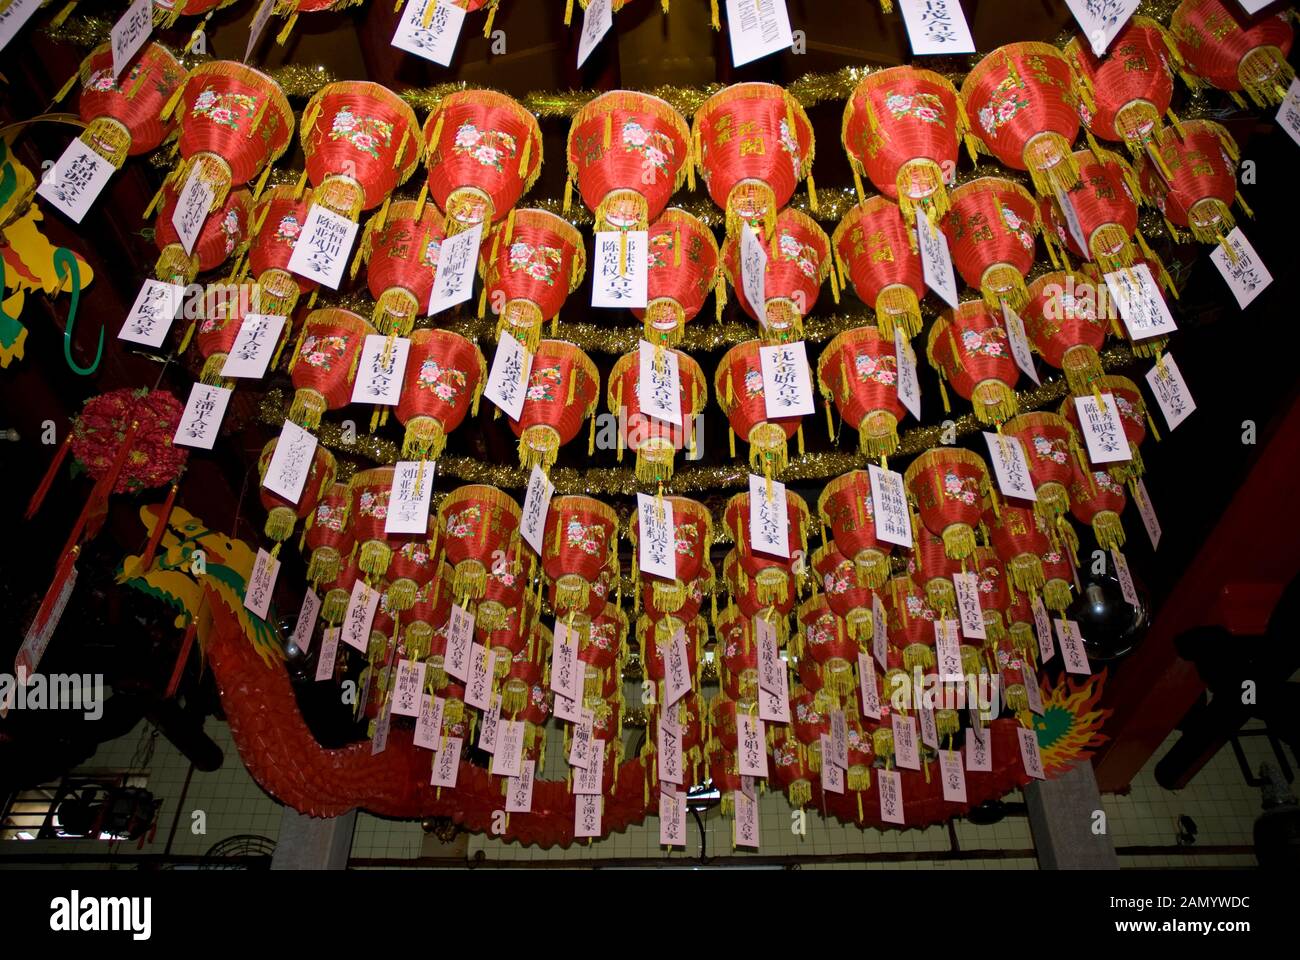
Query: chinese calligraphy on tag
[[201, 420], [936, 26], [430, 29], [75, 180], [322, 249]]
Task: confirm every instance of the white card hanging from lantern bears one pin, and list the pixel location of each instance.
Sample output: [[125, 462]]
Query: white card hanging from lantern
[[360, 614], [757, 28], [656, 536], [193, 204], [947, 646], [519, 790], [936, 27], [1103, 430], [936, 260], [769, 520], [672, 816], [75, 180], [329, 651], [305, 625], [668, 747], [323, 246], [621, 270], [1100, 21], [1073, 653], [1019, 342], [537, 504], [979, 752], [1140, 302], [478, 689], [586, 808], [1170, 390], [508, 759], [453, 282], [446, 763], [889, 503], [1243, 271], [202, 418], [658, 385], [832, 775], [409, 496], [381, 370], [151, 316], [1147, 511], [891, 796], [967, 586], [597, 19], [839, 741], [508, 379], [867, 683], [677, 670], [908, 385], [565, 678], [952, 776], [580, 748], [408, 687], [879, 632], [261, 583], [1125, 577], [258, 26], [129, 34], [1033, 693], [1043, 630], [1288, 112], [430, 29], [254, 346], [906, 753], [1007, 455], [753, 271], [460, 637], [787, 382], [1029, 753], [383, 724], [587, 781], [287, 472], [12, 18], [929, 728], [428, 726], [490, 725], [750, 749]]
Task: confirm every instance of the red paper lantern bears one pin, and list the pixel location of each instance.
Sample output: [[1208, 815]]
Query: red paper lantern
[[753, 143], [483, 151], [361, 141], [771, 576], [737, 655], [506, 604], [903, 128], [858, 370], [930, 566], [1019, 535], [446, 376], [418, 627], [324, 363], [215, 334], [222, 233], [368, 515], [990, 228], [846, 506], [1234, 52], [338, 592], [970, 349], [123, 118], [911, 632], [738, 384], [1066, 330], [1133, 414], [602, 649], [874, 251], [1050, 444], [628, 153], [654, 643], [278, 220], [173, 10], [1098, 499], [828, 644], [683, 268], [281, 514], [474, 522], [534, 262], [947, 485], [692, 536], [563, 388], [993, 593], [847, 598], [1058, 572], [797, 265], [655, 442], [779, 592], [790, 771], [1022, 106], [328, 535], [580, 534], [410, 570], [1201, 166], [401, 256]]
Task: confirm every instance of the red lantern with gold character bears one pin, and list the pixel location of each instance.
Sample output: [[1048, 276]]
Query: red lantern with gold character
[[846, 506], [990, 228], [401, 256], [858, 370], [281, 514], [580, 533], [1133, 415], [874, 252], [123, 117], [1201, 165], [1019, 535], [446, 374], [796, 268], [947, 485], [970, 349], [563, 388], [534, 262], [738, 384], [683, 268], [655, 442], [1235, 52], [474, 523], [324, 363], [1066, 330]]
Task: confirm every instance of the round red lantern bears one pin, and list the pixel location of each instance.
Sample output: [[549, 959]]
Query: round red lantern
[[993, 593], [990, 228], [779, 592], [563, 388], [771, 574], [281, 514], [1066, 329], [692, 538], [222, 232], [846, 506], [401, 256], [1050, 446], [790, 772], [278, 219], [1133, 415], [858, 370], [969, 348], [324, 363], [874, 251], [655, 441], [534, 262], [580, 534], [738, 384], [368, 515], [328, 535], [683, 268], [930, 566], [1098, 499], [1201, 165], [1019, 536], [474, 522], [1234, 52], [446, 375], [796, 268], [947, 485], [123, 117], [827, 642], [848, 600]]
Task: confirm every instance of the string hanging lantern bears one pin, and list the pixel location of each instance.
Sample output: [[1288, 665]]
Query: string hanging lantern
[[858, 371], [580, 534], [278, 219], [328, 535], [1197, 197], [737, 655], [483, 152], [847, 508], [770, 575], [1051, 445], [474, 522], [683, 269], [324, 363], [535, 260], [123, 117], [628, 152], [1235, 53], [947, 485], [753, 144], [215, 333], [506, 604], [412, 566], [691, 535], [563, 389], [1065, 327], [601, 651], [655, 442], [738, 384], [969, 348], [281, 513], [874, 251], [1023, 111], [991, 227], [796, 268], [401, 256], [361, 141], [222, 233], [903, 128], [448, 374]]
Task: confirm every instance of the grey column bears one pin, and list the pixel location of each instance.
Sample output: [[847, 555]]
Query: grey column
[[1062, 813], [310, 843]]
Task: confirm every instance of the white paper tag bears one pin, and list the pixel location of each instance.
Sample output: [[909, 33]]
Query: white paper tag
[[76, 179], [936, 27], [428, 726], [254, 346], [13, 17], [929, 729], [478, 690], [453, 280], [891, 796], [460, 635], [889, 503], [305, 625], [258, 26], [658, 385], [193, 204], [380, 370], [677, 670], [668, 748], [596, 21], [626, 287], [201, 420], [1020, 349], [408, 687], [746, 824], [907, 385], [879, 632], [936, 260], [1102, 429], [566, 708], [952, 776], [408, 498], [1066, 206], [1147, 511], [832, 776], [291, 462], [436, 40], [906, 753], [947, 647], [1072, 651], [1043, 630], [587, 782], [362, 605], [130, 33], [323, 247], [753, 272], [446, 763], [774, 707], [867, 687], [757, 28], [261, 583], [979, 753], [1139, 302], [1125, 577], [151, 316], [1007, 455], [537, 503], [1033, 694], [1100, 21], [587, 808], [507, 383], [656, 536], [508, 759], [787, 382], [1029, 755], [771, 670], [580, 742], [566, 678], [751, 750], [1245, 273], [329, 651], [519, 790], [839, 741], [383, 724], [672, 817], [491, 724], [769, 518], [1170, 390], [1288, 113], [968, 608]]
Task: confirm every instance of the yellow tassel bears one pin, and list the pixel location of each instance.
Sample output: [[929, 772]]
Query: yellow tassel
[[300, 186], [609, 129], [261, 184], [812, 194], [63, 14], [717, 25], [568, 195], [185, 340], [857, 184], [67, 87], [283, 36], [591, 438], [491, 15], [943, 393], [523, 157], [677, 248], [421, 199], [401, 147], [170, 106], [429, 11], [568, 12]]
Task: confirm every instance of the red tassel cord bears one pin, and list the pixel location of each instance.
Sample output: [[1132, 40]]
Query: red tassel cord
[[47, 481], [146, 559], [96, 505], [51, 600], [187, 643]]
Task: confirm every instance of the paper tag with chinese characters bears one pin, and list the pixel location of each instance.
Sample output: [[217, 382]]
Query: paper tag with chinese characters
[[329, 651], [519, 790], [1033, 693], [668, 747], [487, 730], [254, 346], [746, 824], [979, 752], [1139, 302], [677, 670], [753, 272], [832, 775], [1147, 511], [839, 754], [751, 749], [566, 708], [621, 271], [428, 726], [1066, 206], [201, 420], [460, 635], [323, 246], [906, 753], [193, 204], [507, 383], [508, 759], [1100, 21], [1020, 349], [952, 776], [787, 382], [868, 688], [587, 807], [891, 796], [565, 677], [381, 370], [909, 387], [446, 763], [1029, 753], [968, 607], [936, 27], [771, 671], [879, 632], [1102, 429], [929, 728], [672, 817], [478, 689], [261, 583], [407, 690], [658, 384], [597, 18], [1170, 390], [656, 536], [383, 723], [1007, 455], [580, 740], [453, 282], [258, 26], [129, 34], [757, 28], [775, 707], [889, 502], [76, 179], [1125, 577], [1072, 651], [151, 316], [287, 472], [769, 519], [12, 18], [360, 615], [1288, 113], [408, 498], [430, 29], [304, 626], [936, 260], [537, 503], [587, 782], [1043, 629]]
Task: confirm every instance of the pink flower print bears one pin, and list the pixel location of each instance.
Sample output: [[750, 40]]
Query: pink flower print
[[928, 114], [488, 156], [790, 247], [221, 115], [289, 227], [634, 133], [205, 100], [753, 383], [467, 135], [363, 141], [344, 121]]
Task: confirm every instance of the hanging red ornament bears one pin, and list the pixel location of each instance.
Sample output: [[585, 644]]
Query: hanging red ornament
[[1019, 535], [1133, 415], [932, 569], [580, 534], [278, 219], [849, 600], [447, 375], [1234, 52], [683, 269], [1096, 498], [222, 233], [828, 644], [1051, 446], [281, 513], [655, 442], [1201, 165], [947, 486], [797, 266], [563, 388], [874, 251], [858, 370], [1065, 327], [324, 363], [990, 228], [534, 262], [774, 579], [779, 591], [368, 517], [969, 348], [738, 384], [692, 536], [401, 256], [846, 506], [328, 535], [474, 523], [993, 594], [123, 118]]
